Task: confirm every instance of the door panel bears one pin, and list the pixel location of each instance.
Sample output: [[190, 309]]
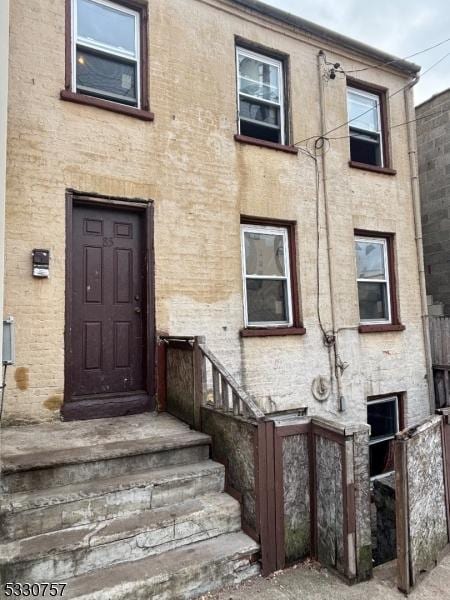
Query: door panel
[[108, 316]]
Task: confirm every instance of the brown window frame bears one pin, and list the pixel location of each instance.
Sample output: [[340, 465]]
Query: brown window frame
[[400, 397], [382, 94], [297, 327], [143, 112], [395, 324], [284, 60]]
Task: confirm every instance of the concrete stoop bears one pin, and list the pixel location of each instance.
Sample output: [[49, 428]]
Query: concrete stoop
[[144, 519], [186, 572]]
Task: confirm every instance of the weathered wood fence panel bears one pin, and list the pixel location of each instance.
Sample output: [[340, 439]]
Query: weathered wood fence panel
[[321, 495], [342, 498], [440, 340], [330, 485], [422, 497], [292, 452], [180, 390], [288, 452], [440, 354]]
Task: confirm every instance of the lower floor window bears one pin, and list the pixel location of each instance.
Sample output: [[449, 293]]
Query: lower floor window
[[375, 285], [383, 418], [266, 276]]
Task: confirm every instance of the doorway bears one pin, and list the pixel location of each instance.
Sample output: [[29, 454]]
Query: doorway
[[109, 339]]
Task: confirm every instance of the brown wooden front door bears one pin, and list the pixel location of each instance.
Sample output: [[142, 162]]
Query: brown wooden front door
[[108, 372]]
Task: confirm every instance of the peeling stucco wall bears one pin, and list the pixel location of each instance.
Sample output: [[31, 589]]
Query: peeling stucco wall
[[201, 181]]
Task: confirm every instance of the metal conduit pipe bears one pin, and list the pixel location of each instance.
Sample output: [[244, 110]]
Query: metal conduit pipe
[[337, 371], [415, 191]]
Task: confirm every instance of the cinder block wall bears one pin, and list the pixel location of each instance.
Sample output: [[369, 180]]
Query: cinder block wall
[[433, 137], [201, 181]]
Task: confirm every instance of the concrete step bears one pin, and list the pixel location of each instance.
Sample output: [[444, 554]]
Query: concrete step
[[184, 573], [29, 471], [60, 555], [26, 514]]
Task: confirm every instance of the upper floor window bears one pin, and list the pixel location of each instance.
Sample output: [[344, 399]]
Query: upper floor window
[[260, 84], [106, 51], [107, 56], [366, 127]]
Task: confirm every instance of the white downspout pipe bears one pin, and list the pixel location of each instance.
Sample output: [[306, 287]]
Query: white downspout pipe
[[415, 191], [4, 61]]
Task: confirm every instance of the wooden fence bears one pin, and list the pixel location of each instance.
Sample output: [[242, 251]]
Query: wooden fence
[[440, 340], [422, 510], [440, 355], [318, 495]]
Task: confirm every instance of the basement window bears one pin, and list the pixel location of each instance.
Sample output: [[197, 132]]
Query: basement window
[[266, 276], [383, 418], [106, 51], [260, 84], [365, 127]]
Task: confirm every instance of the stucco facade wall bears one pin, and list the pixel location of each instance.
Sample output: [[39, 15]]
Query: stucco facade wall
[[201, 181]]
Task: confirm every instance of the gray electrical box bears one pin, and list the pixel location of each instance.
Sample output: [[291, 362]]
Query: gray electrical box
[[9, 342]]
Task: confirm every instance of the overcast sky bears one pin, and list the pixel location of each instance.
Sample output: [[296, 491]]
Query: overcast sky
[[400, 27]]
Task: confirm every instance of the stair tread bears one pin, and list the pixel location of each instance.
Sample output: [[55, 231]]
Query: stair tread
[[42, 460], [21, 501], [162, 567], [65, 444], [95, 534]]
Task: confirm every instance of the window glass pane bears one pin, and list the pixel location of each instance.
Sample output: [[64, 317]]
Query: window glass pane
[[382, 417], [260, 132], [373, 302], [106, 26], [264, 254], [365, 148], [370, 260], [381, 458], [106, 77], [259, 79], [362, 111], [270, 115], [267, 301]]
